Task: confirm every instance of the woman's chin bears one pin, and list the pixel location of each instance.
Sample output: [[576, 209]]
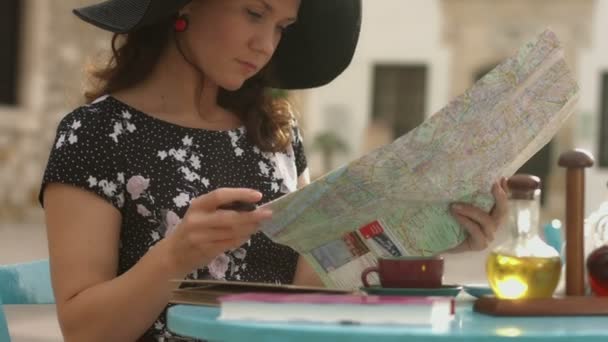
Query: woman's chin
[[233, 85]]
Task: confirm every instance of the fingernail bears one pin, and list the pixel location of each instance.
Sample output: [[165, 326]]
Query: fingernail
[[457, 206]]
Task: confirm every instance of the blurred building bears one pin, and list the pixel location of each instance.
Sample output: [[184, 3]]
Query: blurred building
[[413, 57], [44, 51]]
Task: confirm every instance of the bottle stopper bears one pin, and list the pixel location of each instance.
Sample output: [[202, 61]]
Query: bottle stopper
[[523, 186]]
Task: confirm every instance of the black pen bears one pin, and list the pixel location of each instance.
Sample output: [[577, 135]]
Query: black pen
[[239, 206]]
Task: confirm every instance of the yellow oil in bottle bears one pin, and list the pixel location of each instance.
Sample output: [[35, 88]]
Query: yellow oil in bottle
[[523, 277]]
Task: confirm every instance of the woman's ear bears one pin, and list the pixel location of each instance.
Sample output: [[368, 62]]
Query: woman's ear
[[182, 18], [181, 23], [188, 9]]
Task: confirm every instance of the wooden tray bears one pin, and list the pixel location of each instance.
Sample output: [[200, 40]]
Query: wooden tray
[[562, 306]]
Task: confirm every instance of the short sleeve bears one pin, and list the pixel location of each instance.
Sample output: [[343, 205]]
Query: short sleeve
[[84, 156], [298, 149]]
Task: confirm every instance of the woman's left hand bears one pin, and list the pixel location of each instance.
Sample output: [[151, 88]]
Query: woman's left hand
[[480, 225]]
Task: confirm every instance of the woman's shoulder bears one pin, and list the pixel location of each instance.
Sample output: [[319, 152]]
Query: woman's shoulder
[[97, 112], [99, 109], [101, 121]]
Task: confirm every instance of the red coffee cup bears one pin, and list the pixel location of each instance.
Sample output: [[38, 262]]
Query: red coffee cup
[[407, 272]]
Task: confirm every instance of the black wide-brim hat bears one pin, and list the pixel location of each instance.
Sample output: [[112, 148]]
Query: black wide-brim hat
[[313, 51]]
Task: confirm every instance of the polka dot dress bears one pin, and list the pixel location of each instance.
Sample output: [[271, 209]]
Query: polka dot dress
[[150, 170]]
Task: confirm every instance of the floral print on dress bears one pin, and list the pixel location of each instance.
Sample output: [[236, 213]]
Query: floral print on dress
[[219, 266], [285, 169], [69, 136], [172, 220], [136, 186], [188, 160], [232, 261], [165, 225], [122, 125], [235, 136], [280, 168], [181, 200], [152, 177], [110, 188], [168, 220]]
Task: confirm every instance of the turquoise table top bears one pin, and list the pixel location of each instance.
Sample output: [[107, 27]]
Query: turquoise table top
[[201, 322]]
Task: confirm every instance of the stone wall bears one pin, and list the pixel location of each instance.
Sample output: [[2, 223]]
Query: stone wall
[[55, 47]]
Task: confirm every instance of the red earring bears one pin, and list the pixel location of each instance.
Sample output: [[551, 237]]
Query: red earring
[[181, 23]]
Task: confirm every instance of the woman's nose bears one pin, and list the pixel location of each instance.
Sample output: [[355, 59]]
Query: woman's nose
[[266, 41]]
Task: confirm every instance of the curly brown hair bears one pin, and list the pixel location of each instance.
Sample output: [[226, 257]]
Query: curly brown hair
[[268, 120]]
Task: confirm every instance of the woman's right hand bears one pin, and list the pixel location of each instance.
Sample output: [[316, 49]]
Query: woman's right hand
[[207, 231]]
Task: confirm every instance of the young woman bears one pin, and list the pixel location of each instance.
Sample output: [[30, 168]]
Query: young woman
[[180, 125]]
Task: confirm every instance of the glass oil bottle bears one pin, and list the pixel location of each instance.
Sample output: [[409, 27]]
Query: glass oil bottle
[[524, 266], [597, 260]]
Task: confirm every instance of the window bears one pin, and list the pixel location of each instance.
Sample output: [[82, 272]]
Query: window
[[603, 148], [399, 96], [10, 14], [539, 164]]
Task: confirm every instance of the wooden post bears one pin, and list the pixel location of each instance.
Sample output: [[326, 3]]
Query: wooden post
[[575, 162]]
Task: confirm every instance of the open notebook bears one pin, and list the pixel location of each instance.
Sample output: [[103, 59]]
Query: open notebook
[[207, 292]]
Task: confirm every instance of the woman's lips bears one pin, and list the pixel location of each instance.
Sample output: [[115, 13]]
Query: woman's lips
[[249, 67]]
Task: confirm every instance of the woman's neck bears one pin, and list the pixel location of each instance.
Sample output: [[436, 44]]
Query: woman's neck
[[177, 92]]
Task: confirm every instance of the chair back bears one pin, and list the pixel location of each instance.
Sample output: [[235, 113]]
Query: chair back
[[25, 283], [4, 336]]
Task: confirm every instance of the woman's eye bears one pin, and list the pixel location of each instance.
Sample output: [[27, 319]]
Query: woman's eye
[[254, 14], [285, 28]]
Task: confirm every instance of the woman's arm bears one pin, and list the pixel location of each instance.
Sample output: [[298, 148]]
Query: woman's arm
[[305, 275], [83, 230], [92, 303]]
